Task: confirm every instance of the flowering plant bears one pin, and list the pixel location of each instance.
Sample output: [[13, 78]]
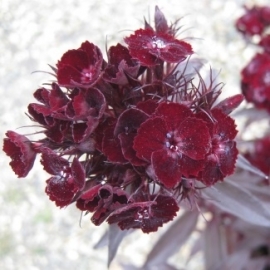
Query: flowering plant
[[133, 138]]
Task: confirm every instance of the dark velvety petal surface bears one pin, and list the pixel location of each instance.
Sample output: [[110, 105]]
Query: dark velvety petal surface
[[211, 173], [82, 131], [57, 98], [126, 142], [20, 150], [147, 216], [190, 167], [173, 114], [118, 53], [40, 114], [57, 131], [149, 106], [42, 95], [225, 126], [78, 173], [194, 138], [166, 168], [60, 190], [52, 163], [129, 121], [89, 102], [151, 137], [175, 51], [76, 58], [67, 75], [91, 193], [111, 147]]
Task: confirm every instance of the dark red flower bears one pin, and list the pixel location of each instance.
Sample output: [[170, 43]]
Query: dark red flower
[[265, 15], [171, 143], [259, 156], [80, 67], [146, 215], [120, 65], [265, 43], [255, 81], [126, 129], [111, 147], [102, 200], [67, 180], [148, 47], [251, 22], [220, 161], [21, 152]]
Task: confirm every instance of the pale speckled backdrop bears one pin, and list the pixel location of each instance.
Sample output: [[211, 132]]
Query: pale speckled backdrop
[[34, 234]]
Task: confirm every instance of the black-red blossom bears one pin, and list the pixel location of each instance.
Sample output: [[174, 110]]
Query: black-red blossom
[[220, 160], [170, 143], [21, 152], [255, 76], [255, 81], [80, 67], [149, 47]]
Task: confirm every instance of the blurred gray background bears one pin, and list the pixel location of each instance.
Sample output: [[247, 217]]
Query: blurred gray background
[[34, 233]]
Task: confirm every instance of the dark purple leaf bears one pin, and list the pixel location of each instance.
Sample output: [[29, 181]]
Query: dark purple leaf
[[234, 199], [116, 235], [214, 245], [172, 239]]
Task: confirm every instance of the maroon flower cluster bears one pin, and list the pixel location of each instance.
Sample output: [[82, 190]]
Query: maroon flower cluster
[[255, 77], [259, 154], [125, 137]]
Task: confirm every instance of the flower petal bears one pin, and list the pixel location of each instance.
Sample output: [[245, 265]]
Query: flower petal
[[151, 137], [60, 190], [193, 144], [166, 168], [173, 114], [52, 163]]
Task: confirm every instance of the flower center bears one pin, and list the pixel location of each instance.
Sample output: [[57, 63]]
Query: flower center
[[156, 43], [141, 215], [87, 74], [171, 143]]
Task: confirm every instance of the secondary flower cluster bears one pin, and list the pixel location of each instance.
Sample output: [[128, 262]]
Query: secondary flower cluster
[[126, 138], [255, 77]]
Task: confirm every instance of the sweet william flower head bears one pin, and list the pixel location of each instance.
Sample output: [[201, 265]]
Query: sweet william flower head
[[127, 139]]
